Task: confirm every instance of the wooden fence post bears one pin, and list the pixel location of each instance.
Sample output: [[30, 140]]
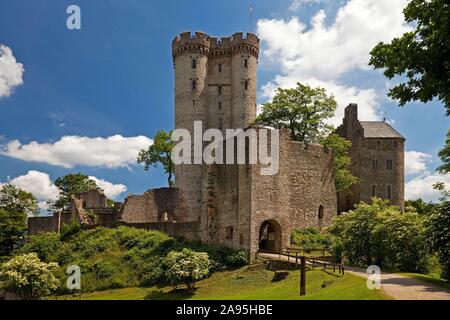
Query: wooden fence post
[[303, 276]]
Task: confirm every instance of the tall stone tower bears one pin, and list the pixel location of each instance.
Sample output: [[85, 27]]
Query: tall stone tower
[[215, 82]]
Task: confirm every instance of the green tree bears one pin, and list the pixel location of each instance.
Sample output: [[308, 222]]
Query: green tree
[[13, 225], [71, 185], [420, 206], [18, 200], [28, 276], [439, 235], [186, 267], [344, 178], [302, 110], [444, 154], [381, 234], [420, 55], [159, 153]]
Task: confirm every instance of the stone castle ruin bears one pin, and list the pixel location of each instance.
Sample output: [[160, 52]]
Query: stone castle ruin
[[233, 204]]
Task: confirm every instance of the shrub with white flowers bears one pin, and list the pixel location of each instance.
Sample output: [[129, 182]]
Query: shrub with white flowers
[[27, 276], [186, 267]]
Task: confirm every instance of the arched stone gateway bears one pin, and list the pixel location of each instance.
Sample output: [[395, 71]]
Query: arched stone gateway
[[270, 237]]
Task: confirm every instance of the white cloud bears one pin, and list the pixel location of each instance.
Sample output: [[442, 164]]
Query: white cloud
[[421, 186], [416, 162], [295, 4], [321, 54], [111, 152], [11, 71], [38, 183], [42, 187], [111, 190]]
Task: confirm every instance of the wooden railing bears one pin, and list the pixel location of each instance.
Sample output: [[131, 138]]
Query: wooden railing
[[290, 251]]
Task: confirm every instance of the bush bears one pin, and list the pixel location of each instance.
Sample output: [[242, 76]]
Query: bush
[[153, 272], [381, 234], [439, 235], [186, 267], [45, 245], [310, 238], [237, 259], [69, 230], [102, 270], [29, 277]]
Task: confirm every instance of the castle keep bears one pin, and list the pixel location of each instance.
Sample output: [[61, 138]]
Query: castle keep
[[233, 204], [378, 157]]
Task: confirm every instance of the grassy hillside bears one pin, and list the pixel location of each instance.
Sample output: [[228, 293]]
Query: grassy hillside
[[251, 284], [119, 258]]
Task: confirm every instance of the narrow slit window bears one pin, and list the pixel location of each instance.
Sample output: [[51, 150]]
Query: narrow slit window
[[374, 190], [194, 84], [389, 164], [246, 84], [389, 192], [220, 67], [219, 90], [220, 105], [246, 63], [194, 64], [375, 164]]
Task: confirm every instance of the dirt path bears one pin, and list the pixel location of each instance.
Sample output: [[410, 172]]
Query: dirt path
[[397, 286]]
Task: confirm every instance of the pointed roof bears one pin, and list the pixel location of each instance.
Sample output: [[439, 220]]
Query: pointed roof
[[379, 129]]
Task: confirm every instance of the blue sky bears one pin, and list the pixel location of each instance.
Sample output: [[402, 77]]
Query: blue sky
[[114, 77]]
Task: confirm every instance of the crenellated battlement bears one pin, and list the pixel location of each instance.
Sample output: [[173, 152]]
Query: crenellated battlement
[[204, 44]]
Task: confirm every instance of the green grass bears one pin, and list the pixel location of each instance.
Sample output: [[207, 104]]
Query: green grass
[[429, 279], [251, 284]]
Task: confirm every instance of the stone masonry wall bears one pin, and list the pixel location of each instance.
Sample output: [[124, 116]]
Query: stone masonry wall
[[292, 198], [151, 206], [244, 199]]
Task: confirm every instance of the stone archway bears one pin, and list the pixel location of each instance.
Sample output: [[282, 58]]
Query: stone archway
[[270, 238]]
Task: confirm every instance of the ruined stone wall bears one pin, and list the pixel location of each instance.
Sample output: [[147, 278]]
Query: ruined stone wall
[[187, 230], [94, 199], [151, 206], [51, 223]]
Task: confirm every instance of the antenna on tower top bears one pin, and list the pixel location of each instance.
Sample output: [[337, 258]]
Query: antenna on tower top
[[251, 9]]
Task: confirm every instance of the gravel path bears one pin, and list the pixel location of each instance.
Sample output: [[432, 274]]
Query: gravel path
[[397, 286]]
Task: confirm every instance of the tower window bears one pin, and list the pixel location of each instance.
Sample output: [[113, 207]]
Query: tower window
[[389, 164], [246, 63], [374, 190], [220, 105], [395, 144], [320, 212], [229, 233], [389, 191], [378, 143], [220, 67], [194, 64], [194, 84], [219, 90], [246, 84], [375, 164]]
